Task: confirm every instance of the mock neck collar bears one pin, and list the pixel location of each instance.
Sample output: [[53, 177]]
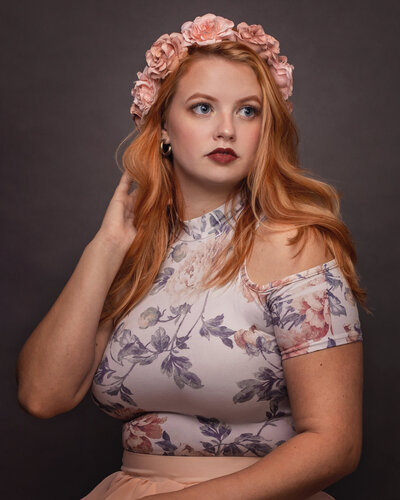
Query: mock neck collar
[[212, 223]]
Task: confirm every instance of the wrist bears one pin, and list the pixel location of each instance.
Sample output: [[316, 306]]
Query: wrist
[[109, 251], [111, 244]]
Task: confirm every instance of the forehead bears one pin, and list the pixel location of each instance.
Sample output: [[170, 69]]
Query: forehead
[[219, 77]]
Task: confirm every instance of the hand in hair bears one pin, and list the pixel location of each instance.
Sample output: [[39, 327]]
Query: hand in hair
[[117, 226]]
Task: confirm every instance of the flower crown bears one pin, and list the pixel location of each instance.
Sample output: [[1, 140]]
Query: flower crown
[[166, 52]]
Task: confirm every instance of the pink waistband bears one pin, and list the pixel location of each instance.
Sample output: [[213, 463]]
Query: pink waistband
[[184, 469]]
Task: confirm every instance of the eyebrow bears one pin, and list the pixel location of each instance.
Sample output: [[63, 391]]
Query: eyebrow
[[211, 98]]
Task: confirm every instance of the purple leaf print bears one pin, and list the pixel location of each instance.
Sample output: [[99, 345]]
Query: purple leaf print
[[247, 393], [178, 367], [178, 381], [166, 444], [160, 340], [181, 309], [208, 447], [183, 377], [335, 305], [331, 343], [183, 362], [127, 399], [262, 387], [219, 431], [266, 374], [113, 392], [334, 282], [167, 366], [259, 449], [161, 280], [122, 335], [102, 371], [133, 349], [126, 390], [232, 450], [227, 342], [180, 342], [213, 327], [125, 337], [147, 360], [213, 427]]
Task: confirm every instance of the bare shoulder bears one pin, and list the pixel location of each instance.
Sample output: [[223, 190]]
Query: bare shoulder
[[273, 258]]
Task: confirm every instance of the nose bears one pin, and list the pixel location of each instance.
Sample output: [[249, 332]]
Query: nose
[[225, 127]]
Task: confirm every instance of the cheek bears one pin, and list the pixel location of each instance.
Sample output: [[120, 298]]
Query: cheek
[[254, 138], [185, 138]]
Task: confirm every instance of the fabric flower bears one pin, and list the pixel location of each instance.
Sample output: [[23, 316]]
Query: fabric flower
[[144, 94], [255, 37], [282, 72], [207, 29], [164, 55]]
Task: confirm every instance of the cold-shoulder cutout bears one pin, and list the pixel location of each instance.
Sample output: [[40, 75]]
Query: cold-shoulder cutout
[[272, 259]]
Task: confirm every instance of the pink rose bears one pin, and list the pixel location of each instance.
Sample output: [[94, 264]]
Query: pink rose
[[164, 55], [353, 332], [289, 106], [207, 29], [282, 72], [137, 434], [255, 37], [144, 94], [246, 337], [315, 308]]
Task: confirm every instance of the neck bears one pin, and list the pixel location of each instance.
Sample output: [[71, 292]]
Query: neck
[[199, 201], [200, 206]]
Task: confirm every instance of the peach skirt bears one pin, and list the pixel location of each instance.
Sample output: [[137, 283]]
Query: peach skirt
[[143, 474]]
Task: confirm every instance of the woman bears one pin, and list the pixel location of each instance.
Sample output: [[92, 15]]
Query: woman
[[205, 311]]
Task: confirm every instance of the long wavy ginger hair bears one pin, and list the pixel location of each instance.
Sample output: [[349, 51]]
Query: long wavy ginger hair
[[276, 186]]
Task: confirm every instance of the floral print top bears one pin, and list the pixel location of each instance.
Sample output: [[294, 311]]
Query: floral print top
[[199, 372]]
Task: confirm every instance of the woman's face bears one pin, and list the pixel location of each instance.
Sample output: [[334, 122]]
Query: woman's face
[[217, 104]]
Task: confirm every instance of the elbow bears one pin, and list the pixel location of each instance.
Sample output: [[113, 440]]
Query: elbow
[[34, 408], [347, 458], [353, 457], [38, 407]]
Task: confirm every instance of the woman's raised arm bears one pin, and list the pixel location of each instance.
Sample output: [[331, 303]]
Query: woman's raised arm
[[57, 362]]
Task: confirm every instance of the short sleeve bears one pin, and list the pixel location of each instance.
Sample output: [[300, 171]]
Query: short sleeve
[[313, 310]]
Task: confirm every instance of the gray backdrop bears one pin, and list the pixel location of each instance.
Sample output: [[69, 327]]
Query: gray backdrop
[[68, 68]]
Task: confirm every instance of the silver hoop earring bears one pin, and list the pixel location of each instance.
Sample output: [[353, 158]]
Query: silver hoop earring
[[165, 152]]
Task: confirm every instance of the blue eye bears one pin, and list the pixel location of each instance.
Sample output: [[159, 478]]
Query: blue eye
[[252, 109], [201, 105]]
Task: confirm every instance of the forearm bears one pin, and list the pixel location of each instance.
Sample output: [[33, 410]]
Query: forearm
[[297, 469], [58, 355]]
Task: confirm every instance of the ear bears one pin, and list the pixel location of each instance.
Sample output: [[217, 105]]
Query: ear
[[164, 134]]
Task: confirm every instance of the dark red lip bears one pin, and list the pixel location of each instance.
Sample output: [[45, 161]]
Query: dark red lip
[[227, 151]]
